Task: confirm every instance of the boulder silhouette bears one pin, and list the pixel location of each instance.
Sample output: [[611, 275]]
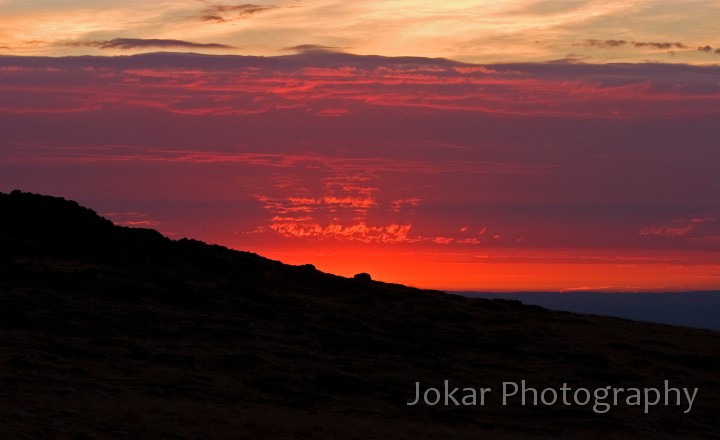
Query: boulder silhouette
[[362, 277]]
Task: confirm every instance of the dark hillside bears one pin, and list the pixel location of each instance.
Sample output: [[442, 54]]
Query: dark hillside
[[111, 332]]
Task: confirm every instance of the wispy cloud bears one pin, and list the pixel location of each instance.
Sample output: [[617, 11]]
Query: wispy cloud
[[605, 43], [660, 46], [402, 204], [340, 211], [610, 44], [132, 219], [224, 13], [361, 232], [677, 228], [708, 49], [617, 44], [139, 43], [314, 48], [350, 207]]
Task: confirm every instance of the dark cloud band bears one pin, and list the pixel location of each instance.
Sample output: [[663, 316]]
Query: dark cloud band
[[137, 43]]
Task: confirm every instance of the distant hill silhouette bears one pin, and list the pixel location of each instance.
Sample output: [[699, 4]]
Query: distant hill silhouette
[[113, 332]]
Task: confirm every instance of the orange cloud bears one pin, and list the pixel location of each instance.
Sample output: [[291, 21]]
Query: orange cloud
[[132, 219], [350, 202], [398, 205], [392, 233]]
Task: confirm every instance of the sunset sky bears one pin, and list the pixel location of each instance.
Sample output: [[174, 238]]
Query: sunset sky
[[504, 146]]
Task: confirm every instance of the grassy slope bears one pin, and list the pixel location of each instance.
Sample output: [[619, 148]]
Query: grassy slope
[[109, 332]]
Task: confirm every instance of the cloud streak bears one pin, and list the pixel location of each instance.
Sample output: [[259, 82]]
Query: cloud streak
[[225, 13], [660, 46], [132, 219], [141, 43], [605, 44], [313, 49], [676, 229], [617, 44], [611, 44]]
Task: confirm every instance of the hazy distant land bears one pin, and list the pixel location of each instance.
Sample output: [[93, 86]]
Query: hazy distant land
[[691, 309]]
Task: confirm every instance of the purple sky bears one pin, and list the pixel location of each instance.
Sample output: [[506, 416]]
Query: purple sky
[[557, 175]]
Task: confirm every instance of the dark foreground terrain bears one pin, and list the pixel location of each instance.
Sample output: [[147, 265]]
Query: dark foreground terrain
[[110, 332]]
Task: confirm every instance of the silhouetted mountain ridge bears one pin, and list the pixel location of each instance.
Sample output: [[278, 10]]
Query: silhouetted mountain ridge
[[113, 332], [38, 224]]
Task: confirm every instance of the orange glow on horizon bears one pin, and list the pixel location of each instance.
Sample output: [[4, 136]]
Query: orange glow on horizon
[[509, 270]]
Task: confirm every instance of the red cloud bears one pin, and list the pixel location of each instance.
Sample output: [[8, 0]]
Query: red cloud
[[253, 87]]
